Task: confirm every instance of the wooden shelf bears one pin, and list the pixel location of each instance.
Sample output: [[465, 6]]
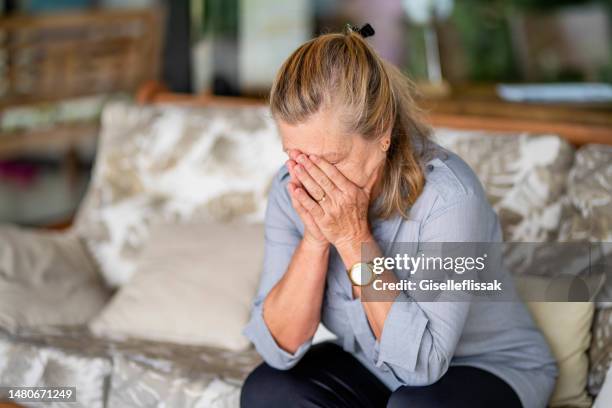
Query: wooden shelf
[[59, 138], [61, 56]]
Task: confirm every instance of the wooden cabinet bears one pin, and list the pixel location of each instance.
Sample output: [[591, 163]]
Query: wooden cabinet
[[56, 57]]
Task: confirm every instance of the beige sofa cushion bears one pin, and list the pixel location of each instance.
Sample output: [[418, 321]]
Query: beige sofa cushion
[[46, 279], [173, 164], [193, 285], [567, 329]]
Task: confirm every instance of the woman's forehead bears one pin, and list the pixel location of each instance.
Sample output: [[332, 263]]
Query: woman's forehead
[[320, 134]]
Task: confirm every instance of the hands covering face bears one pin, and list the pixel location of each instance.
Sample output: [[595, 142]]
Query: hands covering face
[[333, 209]]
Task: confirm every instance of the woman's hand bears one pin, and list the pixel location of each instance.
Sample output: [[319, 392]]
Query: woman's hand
[[338, 207], [312, 233]]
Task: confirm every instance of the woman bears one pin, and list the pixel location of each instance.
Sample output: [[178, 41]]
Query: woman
[[361, 171]]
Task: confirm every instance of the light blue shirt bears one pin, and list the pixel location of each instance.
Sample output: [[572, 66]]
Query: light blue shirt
[[419, 339]]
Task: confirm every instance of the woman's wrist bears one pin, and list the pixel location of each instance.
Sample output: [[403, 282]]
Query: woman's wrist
[[314, 245], [351, 250]]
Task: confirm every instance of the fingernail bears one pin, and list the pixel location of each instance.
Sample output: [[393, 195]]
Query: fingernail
[[301, 158], [299, 169]]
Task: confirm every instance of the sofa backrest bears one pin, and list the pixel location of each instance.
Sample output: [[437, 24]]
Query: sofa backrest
[[159, 164]]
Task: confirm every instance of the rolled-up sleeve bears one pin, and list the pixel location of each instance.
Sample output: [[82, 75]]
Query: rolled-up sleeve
[[282, 236], [419, 339]]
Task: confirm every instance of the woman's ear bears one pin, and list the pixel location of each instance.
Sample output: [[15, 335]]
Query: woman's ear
[[385, 142]]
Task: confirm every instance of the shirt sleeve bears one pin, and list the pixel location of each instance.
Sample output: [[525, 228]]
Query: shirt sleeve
[[282, 237], [419, 339]]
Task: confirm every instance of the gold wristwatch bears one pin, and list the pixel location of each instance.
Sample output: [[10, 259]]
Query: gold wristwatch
[[361, 274]]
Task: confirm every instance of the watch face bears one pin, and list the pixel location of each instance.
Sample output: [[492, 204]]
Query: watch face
[[361, 274]]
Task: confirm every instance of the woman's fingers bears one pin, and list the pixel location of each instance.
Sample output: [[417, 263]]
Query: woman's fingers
[[309, 183], [291, 167], [309, 222], [331, 172], [293, 153], [295, 202], [307, 202], [315, 173]]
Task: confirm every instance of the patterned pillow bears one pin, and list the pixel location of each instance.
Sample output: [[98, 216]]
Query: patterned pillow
[[524, 177], [173, 164], [590, 192], [589, 187]]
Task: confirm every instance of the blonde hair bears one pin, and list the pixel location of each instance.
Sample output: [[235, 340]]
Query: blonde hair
[[373, 96]]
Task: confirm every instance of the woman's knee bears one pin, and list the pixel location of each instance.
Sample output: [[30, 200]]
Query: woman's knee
[[418, 397], [269, 387]]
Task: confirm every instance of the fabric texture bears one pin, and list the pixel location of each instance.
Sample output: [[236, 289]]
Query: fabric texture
[[589, 188], [600, 352], [193, 285], [132, 369], [135, 385], [524, 177], [46, 279], [173, 164], [30, 365], [420, 340], [604, 398]]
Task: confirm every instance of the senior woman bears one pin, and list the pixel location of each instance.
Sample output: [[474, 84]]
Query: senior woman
[[362, 171]]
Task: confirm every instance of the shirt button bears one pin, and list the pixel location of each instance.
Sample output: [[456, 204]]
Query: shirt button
[[430, 167]]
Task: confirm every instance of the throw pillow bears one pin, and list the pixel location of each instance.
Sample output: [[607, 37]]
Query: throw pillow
[[566, 326], [46, 279], [194, 284]]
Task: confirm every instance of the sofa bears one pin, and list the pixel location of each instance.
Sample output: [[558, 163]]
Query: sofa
[[141, 302]]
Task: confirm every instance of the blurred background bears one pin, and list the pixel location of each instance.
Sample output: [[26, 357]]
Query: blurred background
[[62, 60]]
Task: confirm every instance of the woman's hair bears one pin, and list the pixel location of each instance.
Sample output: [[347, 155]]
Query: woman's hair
[[370, 95]]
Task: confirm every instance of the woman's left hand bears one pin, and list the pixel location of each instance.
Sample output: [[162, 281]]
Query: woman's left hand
[[338, 206]]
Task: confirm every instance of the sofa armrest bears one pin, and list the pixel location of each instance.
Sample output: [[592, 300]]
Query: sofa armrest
[[47, 278]]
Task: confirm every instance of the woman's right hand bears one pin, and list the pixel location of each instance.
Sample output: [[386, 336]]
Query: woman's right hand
[[312, 233]]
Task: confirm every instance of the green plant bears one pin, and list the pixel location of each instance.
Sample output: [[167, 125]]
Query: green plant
[[483, 27]]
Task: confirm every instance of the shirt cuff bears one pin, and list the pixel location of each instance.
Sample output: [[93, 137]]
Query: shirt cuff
[[402, 334], [258, 333]]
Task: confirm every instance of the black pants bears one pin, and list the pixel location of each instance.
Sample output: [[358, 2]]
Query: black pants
[[327, 376]]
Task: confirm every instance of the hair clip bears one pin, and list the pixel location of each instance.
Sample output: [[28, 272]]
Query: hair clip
[[366, 31]]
